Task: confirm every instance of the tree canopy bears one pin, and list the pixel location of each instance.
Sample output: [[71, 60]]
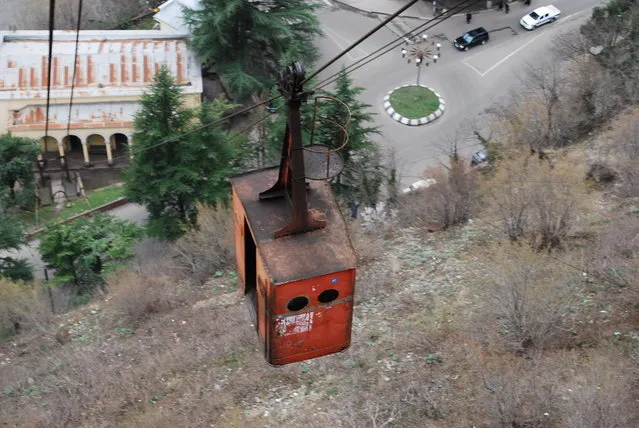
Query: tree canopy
[[18, 155], [360, 181], [169, 178], [81, 252], [11, 238], [249, 41]]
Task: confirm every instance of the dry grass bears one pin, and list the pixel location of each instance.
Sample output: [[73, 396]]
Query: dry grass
[[208, 248], [136, 297], [452, 200], [455, 328], [529, 300], [537, 200]]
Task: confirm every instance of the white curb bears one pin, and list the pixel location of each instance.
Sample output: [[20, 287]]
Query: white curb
[[414, 122]]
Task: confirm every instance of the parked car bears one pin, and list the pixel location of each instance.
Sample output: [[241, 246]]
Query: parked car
[[419, 185], [540, 16], [480, 157], [478, 36]]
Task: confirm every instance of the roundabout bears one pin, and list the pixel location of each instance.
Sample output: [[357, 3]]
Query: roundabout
[[414, 105]]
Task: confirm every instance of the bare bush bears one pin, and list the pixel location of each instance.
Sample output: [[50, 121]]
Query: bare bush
[[601, 395], [628, 141], [615, 252], [135, 296], [529, 298], [25, 307], [521, 393], [560, 103], [450, 201], [207, 248], [535, 200], [154, 257]]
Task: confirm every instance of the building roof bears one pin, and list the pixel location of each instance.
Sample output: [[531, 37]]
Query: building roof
[[171, 13], [110, 63], [302, 256]]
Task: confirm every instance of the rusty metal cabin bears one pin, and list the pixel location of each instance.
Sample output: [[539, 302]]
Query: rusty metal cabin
[[299, 287]]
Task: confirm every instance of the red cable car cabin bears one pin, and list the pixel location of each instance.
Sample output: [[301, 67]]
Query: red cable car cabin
[[299, 287]]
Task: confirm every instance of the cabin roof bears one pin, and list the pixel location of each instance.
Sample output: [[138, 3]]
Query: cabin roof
[[302, 256]]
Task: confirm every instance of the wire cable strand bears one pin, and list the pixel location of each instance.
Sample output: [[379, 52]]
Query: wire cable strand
[[230, 138], [51, 26], [395, 43], [461, 6], [360, 40], [75, 64]]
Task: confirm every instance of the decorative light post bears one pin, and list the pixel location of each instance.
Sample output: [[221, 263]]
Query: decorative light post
[[422, 53]]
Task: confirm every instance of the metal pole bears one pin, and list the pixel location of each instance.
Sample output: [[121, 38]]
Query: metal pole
[[419, 69]]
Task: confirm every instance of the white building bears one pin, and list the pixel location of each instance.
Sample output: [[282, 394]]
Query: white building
[[114, 69]]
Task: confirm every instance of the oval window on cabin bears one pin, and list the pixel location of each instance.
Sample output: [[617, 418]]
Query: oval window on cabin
[[297, 303], [328, 296]]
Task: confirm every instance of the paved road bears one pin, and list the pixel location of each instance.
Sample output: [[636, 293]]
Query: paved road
[[468, 81], [9, 12]]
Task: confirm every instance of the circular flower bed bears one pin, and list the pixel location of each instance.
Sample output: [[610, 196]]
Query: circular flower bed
[[414, 105], [414, 102]]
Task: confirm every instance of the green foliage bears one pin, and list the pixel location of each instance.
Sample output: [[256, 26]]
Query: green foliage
[[363, 172], [170, 178], [249, 41], [83, 251], [11, 238], [18, 156]]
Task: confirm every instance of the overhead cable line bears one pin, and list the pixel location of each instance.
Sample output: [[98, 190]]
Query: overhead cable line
[[360, 40], [75, 64], [455, 9], [395, 43], [51, 25], [230, 138], [575, 267]]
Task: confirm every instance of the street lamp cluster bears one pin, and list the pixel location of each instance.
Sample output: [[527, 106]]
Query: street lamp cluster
[[422, 52]]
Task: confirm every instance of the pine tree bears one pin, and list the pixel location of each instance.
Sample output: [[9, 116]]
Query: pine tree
[[11, 238], [18, 156], [169, 178], [249, 41], [363, 172]]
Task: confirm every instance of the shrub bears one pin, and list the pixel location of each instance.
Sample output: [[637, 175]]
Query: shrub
[[528, 298], [534, 200], [519, 393], [136, 296], [450, 201], [24, 307], [601, 395], [615, 252], [209, 247]]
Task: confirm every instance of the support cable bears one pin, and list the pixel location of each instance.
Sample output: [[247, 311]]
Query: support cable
[[51, 26], [394, 43], [360, 40], [75, 65], [449, 13]]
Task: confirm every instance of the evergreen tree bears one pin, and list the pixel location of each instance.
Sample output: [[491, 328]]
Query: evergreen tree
[[168, 179], [249, 41], [363, 172], [18, 156], [11, 238]]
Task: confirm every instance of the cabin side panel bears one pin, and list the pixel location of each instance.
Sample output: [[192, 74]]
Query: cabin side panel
[[311, 318]]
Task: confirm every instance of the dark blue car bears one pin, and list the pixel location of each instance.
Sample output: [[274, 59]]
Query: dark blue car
[[478, 36]]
